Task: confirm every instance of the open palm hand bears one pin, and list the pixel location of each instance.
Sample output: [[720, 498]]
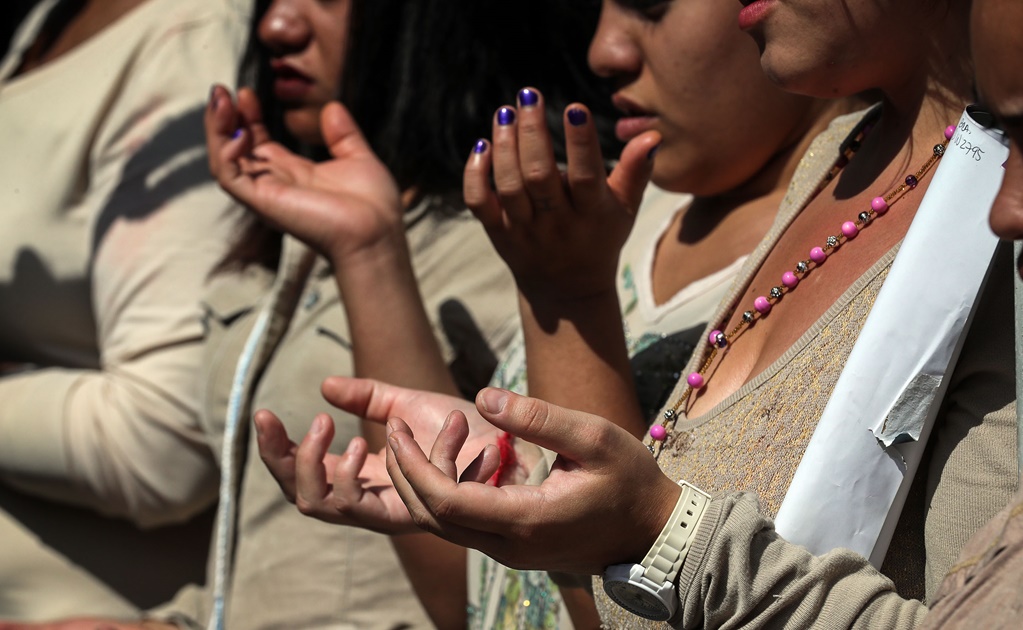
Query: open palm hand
[[342, 207]]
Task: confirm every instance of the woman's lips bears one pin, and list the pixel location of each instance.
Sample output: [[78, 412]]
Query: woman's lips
[[753, 13], [635, 120], [290, 84], [629, 127]]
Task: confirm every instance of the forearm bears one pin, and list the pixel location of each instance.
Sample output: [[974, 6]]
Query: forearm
[[104, 440], [436, 569], [392, 339], [741, 574], [577, 357]]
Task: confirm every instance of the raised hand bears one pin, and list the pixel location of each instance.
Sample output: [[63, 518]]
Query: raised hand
[[559, 233], [354, 488], [604, 502], [343, 207]]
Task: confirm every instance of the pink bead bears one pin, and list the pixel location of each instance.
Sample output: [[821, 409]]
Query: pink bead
[[658, 432], [762, 305], [879, 205], [789, 279], [712, 338], [695, 380], [850, 230], [950, 131], [818, 255]]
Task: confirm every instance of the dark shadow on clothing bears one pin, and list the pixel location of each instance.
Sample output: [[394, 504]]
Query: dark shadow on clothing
[[167, 557], [143, 188], [47, 300], [474, 362]]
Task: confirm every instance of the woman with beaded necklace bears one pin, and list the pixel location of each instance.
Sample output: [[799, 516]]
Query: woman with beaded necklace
[[605, 503]]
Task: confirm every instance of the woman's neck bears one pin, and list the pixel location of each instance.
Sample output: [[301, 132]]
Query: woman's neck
[[768, 185], [714, 231], [910, 123]]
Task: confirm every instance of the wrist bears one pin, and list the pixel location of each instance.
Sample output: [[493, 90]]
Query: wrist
[[545, 303], [370, 243], [649, 589], [387, 250], [662, 502]]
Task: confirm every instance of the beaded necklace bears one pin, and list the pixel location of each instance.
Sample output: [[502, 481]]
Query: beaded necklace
[[719, 340]]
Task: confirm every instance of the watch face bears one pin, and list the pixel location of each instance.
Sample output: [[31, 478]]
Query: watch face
[[637, 600]]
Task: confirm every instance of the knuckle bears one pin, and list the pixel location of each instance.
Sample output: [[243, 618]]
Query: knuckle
[[444, 509], [509, 186], [601, 433], [420, 518], [305, 506], [537, 174], [585, 179], [535, 415]]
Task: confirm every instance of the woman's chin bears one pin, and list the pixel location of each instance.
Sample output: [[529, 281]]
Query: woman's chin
[[304, 125]]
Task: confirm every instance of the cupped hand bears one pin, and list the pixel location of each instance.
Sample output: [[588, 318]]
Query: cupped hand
[[560, 233], [354, 488], [343, 207], [604, 502]]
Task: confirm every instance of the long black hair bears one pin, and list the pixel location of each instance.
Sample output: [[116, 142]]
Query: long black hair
[[423, 77]]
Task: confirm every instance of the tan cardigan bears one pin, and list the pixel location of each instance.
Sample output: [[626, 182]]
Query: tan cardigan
[[110, 225]]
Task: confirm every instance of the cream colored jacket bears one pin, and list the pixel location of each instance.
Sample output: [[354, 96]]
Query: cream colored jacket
[[109, 227]]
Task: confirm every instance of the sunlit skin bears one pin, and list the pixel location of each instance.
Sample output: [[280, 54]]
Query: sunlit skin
[[997, 40], [831, 48], [306, 42], [912, 54], [684, 70]]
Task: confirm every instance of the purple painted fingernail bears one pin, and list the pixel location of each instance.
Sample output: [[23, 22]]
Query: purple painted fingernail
[[528, 97], [577, 117], [237, 133], [480, 146], [653, 151], [505, 116]]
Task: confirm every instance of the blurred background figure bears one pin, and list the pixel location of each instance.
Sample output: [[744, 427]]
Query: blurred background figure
[[110, 228]]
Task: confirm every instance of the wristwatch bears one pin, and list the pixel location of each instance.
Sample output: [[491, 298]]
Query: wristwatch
[[648, 589]]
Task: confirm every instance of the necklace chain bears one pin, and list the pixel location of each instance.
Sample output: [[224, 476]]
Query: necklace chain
[[719, 340]]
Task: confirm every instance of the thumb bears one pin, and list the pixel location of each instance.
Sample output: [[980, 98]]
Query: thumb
[[630, 176], [341, 134], [579, 436]]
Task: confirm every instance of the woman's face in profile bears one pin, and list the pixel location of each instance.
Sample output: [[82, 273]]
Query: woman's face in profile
[[997, 38], [306, 42], [683, 68]]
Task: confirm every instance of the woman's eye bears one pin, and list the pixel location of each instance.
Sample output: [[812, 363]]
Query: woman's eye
[[652, 10]]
